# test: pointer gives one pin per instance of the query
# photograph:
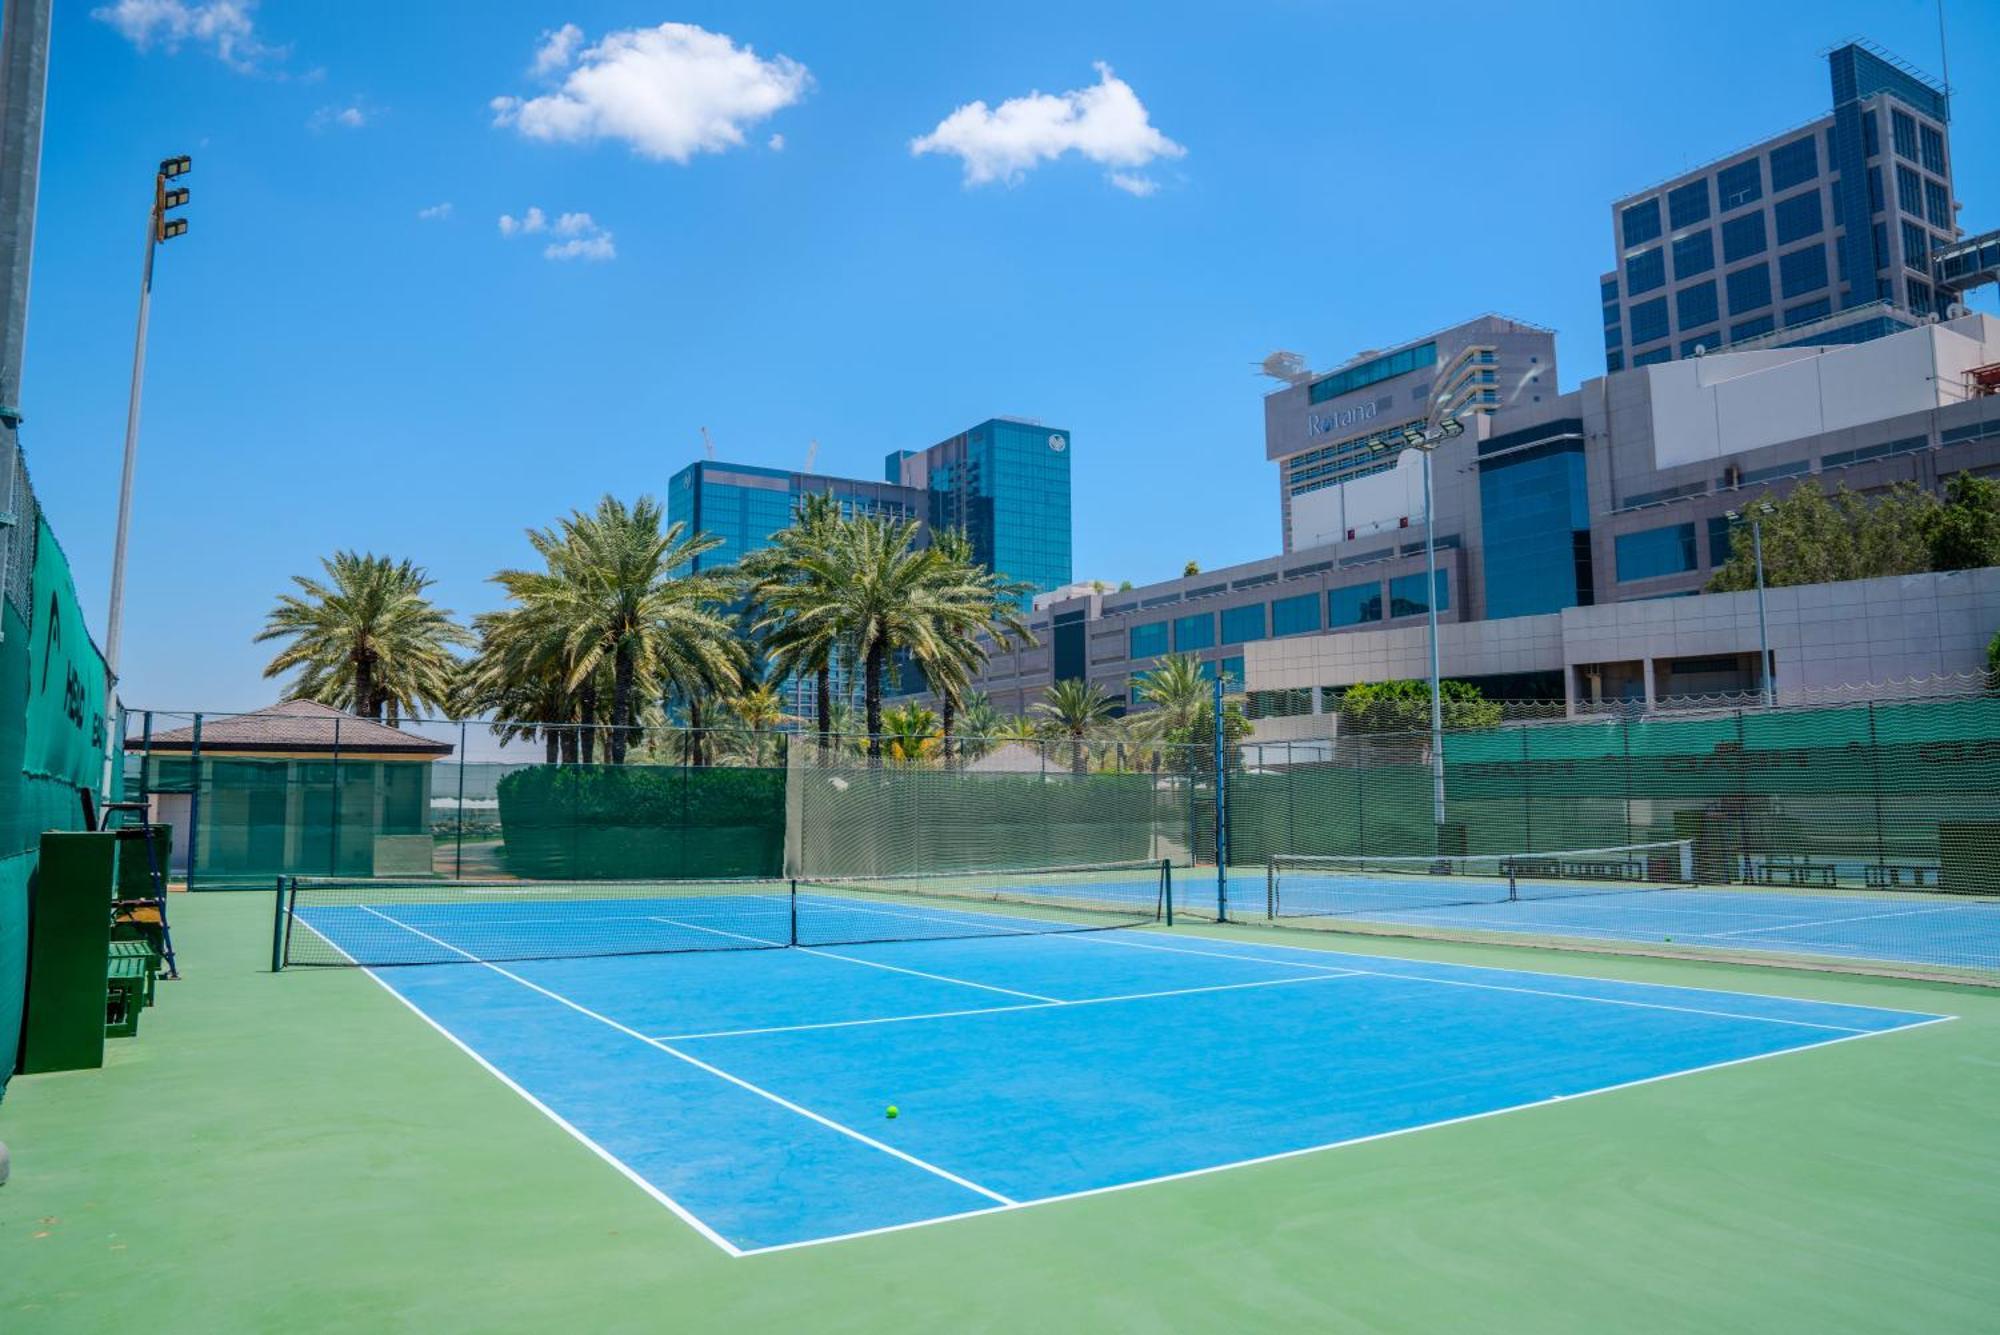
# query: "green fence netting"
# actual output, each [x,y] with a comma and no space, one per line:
[53,731]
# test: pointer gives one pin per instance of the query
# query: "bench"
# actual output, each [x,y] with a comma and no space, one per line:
[126,979]
[148,958]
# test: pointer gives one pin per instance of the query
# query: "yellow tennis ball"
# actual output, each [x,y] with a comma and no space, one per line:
[891,1113]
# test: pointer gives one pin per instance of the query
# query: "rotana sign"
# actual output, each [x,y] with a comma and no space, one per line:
[1340,419]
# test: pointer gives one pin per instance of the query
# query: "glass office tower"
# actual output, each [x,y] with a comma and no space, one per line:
[1006,484]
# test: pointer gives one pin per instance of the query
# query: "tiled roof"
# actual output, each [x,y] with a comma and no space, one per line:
[295,725]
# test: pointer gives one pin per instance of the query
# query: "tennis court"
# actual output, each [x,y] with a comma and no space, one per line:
[743,1081]
[1616,903]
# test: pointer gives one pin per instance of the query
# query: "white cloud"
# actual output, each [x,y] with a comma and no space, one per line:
[669,92]
[347,118]
[578,236]
[1105,123]
[558,49]
[534,220]
[776,143]
[225,26]
[436,212]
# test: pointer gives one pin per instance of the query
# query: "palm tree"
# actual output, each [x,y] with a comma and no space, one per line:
[1071,709]
[523,690]
[976,608]
[792,597]
[614,591]
[1181,696]
[761,711]
[979,726]
[366,639]
[911,732]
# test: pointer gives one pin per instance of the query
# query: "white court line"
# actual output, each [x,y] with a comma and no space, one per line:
[1008,1010]
[1841,922]
[716,1071]
[1340,1144]
[681,1212]
[892,968]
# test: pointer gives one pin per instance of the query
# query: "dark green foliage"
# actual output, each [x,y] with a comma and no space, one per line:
[599,822]
[1964,533]
[1405,706]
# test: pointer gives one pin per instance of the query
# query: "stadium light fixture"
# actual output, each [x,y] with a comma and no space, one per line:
[159,228]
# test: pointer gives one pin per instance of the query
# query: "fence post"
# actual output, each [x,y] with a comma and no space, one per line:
[1527,798]
[1875,763]
[1221,814]
[333,818]
[458,859]
[146,764]
[194,801]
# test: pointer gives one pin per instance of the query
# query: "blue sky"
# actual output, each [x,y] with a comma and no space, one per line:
[339,360]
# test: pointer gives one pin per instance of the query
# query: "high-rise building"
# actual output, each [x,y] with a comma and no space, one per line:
[744,505]
[1348,423]
[1005,484]
[1768,244]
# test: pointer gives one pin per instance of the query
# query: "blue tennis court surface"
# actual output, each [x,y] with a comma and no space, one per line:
[746,1090]
[1914,928]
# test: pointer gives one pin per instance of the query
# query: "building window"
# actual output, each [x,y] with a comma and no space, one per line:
[1695,305]
[1649,320]
[1406,594]
[1295,616]
[1875,197]
[1613,338]
[1148,641]
[1355,605]
[1740,185]
[1641,222]
[1933,149]
[1652,356]
[1706,341]
[1749,289]
[1373,371]
[1903,127]
[1812,310]
[1871,135]
[1194,632]
[1794,163]
[1694,254]
[1240,625]
[1909,191]
[1916,246]
[1646,271]
[1721,540]
[1609,289]
[1920,297]
[1763,324]
[1653,552]
[1802,271]
[1937,201]
[1743,237]
[1879,234]
[1688,204]
[1797,217]
[1614,361]
[1534,506]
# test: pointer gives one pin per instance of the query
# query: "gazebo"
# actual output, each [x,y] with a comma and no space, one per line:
[299,788]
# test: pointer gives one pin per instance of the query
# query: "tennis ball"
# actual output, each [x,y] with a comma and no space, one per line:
[891,1113]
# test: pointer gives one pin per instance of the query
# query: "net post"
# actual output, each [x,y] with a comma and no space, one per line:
[1687,861]
[278,928]
[1167,888]
[1271,887]
[793,900]
[458,854]
[1513,880]
[1221,814]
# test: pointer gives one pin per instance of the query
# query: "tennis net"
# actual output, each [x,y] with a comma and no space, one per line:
[1307,885]
[379,923]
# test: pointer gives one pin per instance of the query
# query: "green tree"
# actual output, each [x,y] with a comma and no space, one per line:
[910,732]
[1180,714]
[367,638]
[519,680]
[1405,706]
[1964,532]
[1811,537]
[1071,709]
[1993,662]
[796,609]
[975,608]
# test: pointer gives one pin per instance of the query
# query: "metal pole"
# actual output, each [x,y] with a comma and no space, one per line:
[1437,704]
[458,860]
[115,624]
[1763,631]
[1221,816]
[24,75]
[194,801]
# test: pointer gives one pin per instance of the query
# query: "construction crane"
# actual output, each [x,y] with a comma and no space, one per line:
[707,445]
[812,453]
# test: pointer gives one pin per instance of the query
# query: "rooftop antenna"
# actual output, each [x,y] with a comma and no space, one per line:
[707,445]
[1944,56]
[1289,367]
[812,452]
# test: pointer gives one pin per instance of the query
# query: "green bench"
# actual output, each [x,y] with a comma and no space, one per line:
[125,992]
[147,956]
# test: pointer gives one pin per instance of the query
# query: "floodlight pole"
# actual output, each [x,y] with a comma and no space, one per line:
[1431,602]
[1763,629]
[156,232]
